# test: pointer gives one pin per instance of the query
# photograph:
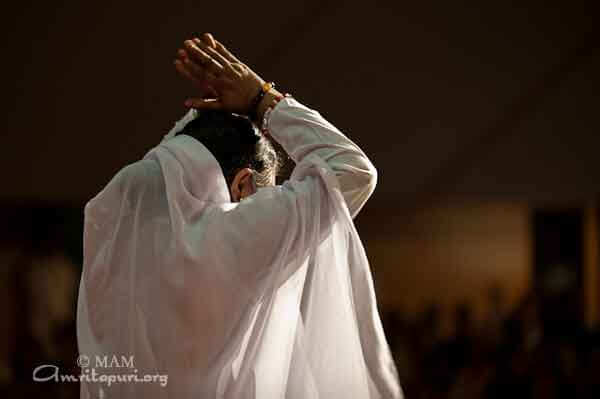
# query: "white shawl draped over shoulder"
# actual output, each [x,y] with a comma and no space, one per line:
[271,297]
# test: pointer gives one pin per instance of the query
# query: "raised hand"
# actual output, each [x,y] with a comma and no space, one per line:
[203,88]
[212,68]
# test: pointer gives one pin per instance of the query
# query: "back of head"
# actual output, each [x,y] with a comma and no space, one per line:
[236,144]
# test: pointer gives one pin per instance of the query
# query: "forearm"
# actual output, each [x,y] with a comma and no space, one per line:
[302,131]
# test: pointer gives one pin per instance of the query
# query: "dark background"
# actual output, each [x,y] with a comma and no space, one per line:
[481,118]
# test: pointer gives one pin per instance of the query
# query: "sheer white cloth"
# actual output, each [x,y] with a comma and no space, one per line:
[268,298]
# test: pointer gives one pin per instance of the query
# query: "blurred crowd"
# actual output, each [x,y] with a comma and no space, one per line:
[531,353]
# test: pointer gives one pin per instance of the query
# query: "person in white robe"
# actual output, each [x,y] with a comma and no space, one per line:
[230,288]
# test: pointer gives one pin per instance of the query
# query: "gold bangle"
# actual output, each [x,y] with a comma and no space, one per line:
[268,86]
[265,88]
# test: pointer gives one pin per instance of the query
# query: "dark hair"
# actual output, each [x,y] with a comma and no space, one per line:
[235,142]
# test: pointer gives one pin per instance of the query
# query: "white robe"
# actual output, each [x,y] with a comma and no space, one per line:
[271,297]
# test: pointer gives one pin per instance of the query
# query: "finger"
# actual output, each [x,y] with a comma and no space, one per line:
[194,69]
[226,53]
[209,40]
[198,70]
[215,55]
[201,84]
[220,59]
[193,52]
[201,103]
[202,57]
[184,72]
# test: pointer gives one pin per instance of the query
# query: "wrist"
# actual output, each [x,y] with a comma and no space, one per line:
[256,107]
[270,98]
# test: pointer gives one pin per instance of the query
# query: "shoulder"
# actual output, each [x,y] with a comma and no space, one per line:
[128,181]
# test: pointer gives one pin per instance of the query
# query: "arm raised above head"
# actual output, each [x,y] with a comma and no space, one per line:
[303,132]
[300,131]
[291,216]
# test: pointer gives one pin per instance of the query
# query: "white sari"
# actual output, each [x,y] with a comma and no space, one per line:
[271,297]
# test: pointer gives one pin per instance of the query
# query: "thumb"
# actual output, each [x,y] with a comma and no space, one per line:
[203,103]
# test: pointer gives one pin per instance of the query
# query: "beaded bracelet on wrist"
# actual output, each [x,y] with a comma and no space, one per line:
[264,125]
[266,87]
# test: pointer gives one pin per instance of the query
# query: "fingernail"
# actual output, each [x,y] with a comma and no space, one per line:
[188,103]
